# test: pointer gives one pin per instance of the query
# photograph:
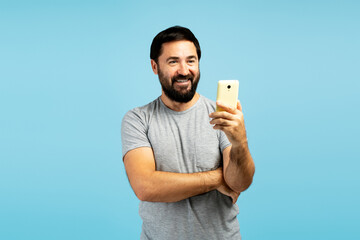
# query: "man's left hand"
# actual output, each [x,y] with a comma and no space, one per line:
[231,121]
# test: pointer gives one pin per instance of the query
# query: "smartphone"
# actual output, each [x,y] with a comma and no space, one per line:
[227,93]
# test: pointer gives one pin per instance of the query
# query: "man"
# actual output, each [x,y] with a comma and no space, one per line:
[186,163]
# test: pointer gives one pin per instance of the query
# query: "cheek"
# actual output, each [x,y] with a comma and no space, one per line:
[166,77]
[195,71]
[171,73]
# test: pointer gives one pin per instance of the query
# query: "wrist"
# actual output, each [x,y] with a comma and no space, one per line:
[241,144]
[219,177]
[213,179]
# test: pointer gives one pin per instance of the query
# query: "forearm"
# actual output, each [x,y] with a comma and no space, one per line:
[160,186]
[239,169]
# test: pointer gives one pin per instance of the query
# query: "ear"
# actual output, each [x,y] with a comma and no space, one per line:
[154,66]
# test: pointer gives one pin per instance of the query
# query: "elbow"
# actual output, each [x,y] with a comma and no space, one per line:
[143,194]
[142,187]
[245,185]
[140,195]
[240,185]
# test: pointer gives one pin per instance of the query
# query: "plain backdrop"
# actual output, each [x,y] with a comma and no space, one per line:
[70,70]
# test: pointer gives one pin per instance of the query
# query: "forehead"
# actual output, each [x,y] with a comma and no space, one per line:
[181,48]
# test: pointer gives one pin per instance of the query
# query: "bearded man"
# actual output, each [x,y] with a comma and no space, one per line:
[185,162]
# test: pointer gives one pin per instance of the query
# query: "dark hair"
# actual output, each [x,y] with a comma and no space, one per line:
[175,33]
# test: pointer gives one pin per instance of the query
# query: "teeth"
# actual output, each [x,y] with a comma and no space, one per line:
[182,80]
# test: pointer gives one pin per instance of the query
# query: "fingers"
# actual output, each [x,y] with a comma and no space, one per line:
[221,121]
[235,197]
[228,108]
[224,189]
[225,118]
[225,107]
[225,115]
[238,105]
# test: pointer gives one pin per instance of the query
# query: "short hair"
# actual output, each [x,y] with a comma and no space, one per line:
[176,33]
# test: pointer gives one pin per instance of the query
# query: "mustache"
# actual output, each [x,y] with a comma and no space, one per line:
[180,76]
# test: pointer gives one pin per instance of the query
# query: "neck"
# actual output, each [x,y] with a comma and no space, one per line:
[179,106]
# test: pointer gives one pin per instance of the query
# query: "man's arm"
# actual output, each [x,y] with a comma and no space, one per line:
[239,166]
[157,186]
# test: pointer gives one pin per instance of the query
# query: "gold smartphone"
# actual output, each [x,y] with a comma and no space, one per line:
[227,93]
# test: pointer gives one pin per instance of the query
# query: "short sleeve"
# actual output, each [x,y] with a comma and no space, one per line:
[222,138]
[133,132]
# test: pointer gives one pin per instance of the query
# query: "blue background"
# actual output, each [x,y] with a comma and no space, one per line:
[69,71]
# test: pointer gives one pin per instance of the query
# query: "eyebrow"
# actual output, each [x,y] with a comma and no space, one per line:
[172,58]
[192,56]
[176,58]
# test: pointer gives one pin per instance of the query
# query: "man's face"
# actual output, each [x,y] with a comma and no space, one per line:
[178,70]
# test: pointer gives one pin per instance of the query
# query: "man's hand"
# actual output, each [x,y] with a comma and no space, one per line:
[231,121]
[238,164]
[224,189]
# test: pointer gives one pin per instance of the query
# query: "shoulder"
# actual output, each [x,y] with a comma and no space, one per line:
[142,112]
[209,104]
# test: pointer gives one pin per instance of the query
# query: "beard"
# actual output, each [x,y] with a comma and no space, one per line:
[182,95]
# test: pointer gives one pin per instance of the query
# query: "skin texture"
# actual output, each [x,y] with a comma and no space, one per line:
[179,58]
[239,166]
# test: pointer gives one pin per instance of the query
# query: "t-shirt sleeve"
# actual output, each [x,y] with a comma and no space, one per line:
[223,140]
[133,132]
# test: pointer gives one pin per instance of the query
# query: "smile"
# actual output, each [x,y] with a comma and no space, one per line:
[182,80]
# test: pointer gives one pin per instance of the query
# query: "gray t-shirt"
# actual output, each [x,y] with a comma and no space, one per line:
[182,142]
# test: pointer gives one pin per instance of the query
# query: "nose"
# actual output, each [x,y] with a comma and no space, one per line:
[183,69]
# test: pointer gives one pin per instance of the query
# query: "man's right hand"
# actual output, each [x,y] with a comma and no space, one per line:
[226,190]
